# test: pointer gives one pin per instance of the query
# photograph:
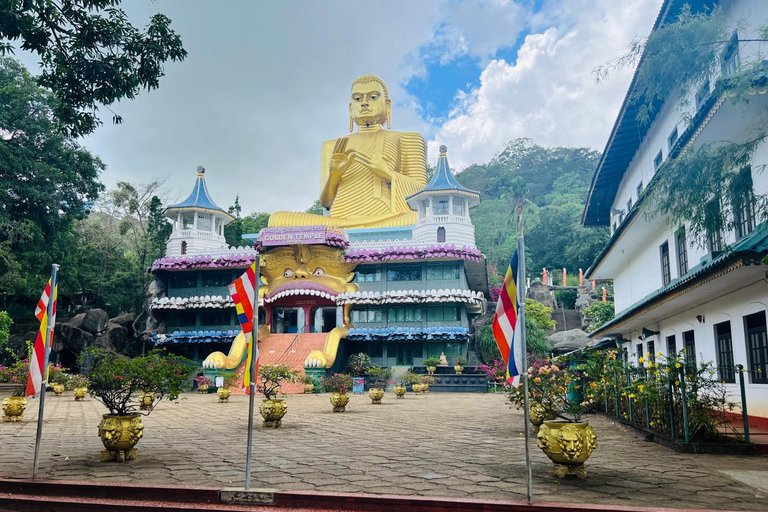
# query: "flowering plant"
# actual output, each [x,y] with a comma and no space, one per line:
[337,383]
[549,383]
[115,378]
[272,375]
[57,374]
[202,380]
[378,377]
[16,373]
[496,372]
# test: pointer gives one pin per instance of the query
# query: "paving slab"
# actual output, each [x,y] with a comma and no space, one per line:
[438,444]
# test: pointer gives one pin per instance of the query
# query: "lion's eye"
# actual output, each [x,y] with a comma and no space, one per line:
[288,273]
[319,272]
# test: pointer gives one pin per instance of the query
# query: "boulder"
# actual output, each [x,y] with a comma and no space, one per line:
[126,320]
[16,347]
[566,341]
[77,321]
[115,336]
[95,321]
[70,338]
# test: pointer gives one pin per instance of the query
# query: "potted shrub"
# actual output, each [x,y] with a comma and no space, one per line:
[15,375]
[566,440]
[378,378]
[425,381]
[57,378]
[338,385]
[309,384]
[431,364]
[273,409]
[203,383]
[408,379]
[359,364]
[79,384]
[461,362]
[114,381]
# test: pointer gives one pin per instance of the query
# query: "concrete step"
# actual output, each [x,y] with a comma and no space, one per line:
[566,319]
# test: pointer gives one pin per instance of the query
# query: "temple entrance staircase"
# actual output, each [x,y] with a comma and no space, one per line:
[291,350]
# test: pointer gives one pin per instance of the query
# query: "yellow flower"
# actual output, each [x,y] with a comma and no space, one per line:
[677,365]
[650,364]
[656,372]
[641,388]
[631,395]
[659,353]
[642,359]
[593,385]
[683,350]
[677,383]
[647,354]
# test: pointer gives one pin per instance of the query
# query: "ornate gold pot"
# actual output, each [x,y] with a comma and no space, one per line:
[145,401]
[58,389]
[80,393]
[119,435]
[273,411]
[458,369]
[416,388]
[309,388]
[223,394]
[431,369]
[538,415]
[376,395]
[13,408]
[568,445]
[400,391]
[339,401]
[203,388]
[425,388]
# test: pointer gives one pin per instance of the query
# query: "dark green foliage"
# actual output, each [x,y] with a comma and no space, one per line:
[253,223]
[554,184]
[538,320]
[566,298]
[316,208]
[115,379]
[359,364]
[89,53]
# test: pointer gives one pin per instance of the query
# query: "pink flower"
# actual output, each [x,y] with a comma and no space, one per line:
[26,361]
[118,377]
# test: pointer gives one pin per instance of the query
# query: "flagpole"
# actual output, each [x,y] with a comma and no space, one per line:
[524,347]
[252,384]
[44,376]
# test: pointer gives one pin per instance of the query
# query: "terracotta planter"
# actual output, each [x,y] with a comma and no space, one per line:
[376,395]
[339,401]
[13,408]
[568,445]
[223,394]
[309,388]
[400,391]
[58,389]
[458,369]
[119,435]
[273,411]
[80,393]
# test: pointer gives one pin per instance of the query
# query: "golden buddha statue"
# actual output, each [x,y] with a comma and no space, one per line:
[366,176]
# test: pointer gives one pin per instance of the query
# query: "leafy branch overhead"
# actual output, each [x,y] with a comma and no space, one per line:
[90,54]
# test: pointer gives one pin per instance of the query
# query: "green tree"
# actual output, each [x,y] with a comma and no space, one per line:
[316,208]
[252,223]
[90,54]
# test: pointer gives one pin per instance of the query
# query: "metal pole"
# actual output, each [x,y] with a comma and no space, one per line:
[686,429]
[616,391]
[524,348]
[744,415]
[44,377]
[252,384]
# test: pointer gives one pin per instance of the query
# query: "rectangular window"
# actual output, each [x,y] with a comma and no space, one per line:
[183,280]
[404,314]
[672,139]
[671,346]
[652,350]
[458,207]
[443,313]
[724,344]
[629,204]
[182,321]
[757,343]
[702,95]
[665,273]
[639,191]
[744,205]
[715,241]
[448,270]
[730,61]
[217,278]
[689,344]
[657,161]
[682,252]
[404,273]
[367,315]
[368,274]
[216,319]
[441,207]
[187,220]
[640,354]
[203,222]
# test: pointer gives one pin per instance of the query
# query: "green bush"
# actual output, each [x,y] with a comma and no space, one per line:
[337,383]
[272,375]
[598,314]
[566,298]
[431,361]
[358,364]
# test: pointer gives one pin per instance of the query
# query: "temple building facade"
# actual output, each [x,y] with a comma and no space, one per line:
[703,296]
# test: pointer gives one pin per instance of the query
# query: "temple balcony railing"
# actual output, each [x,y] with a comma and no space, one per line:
[444,219]
[196,233]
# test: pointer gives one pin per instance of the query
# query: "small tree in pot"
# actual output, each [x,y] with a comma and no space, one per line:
[338,385]
[431,364]
[378,378]
[271,377]
[114,381]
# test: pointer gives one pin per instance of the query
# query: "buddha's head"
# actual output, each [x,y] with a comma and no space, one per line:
[370,104]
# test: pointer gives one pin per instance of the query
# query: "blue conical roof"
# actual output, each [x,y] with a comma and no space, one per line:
[199,199]
[443,182]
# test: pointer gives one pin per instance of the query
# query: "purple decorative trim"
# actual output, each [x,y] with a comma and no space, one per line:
[413,253]
[237,260]
[301,235]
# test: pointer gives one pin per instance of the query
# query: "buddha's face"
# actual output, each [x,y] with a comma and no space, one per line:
[369,105]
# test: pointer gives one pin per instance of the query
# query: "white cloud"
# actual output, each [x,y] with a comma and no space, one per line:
[549,94]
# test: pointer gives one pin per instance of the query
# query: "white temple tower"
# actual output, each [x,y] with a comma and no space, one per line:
[198,223]
[443,208]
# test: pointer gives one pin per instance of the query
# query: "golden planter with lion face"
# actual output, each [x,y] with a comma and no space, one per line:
[568,445]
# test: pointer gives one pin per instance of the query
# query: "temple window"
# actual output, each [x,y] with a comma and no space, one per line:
[447,270]
[367,315]
[441,234]
[204,222]
[441,207]
[211,279]
[404,273]
[188,221]
[369,274]
[217,223]
[183,280]
[458,207]
[404,314]
[443,314]
[184,247]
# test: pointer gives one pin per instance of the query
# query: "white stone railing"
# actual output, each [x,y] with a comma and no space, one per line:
[196,233]
[444,219]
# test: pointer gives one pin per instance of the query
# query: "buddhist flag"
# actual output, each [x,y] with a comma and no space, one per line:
[37,362]
[243,292]
[506,321]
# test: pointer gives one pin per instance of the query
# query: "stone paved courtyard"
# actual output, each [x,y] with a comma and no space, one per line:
[450,445]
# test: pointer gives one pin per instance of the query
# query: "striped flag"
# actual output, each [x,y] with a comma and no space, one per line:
[243,292]
[37,362]
[506,321]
